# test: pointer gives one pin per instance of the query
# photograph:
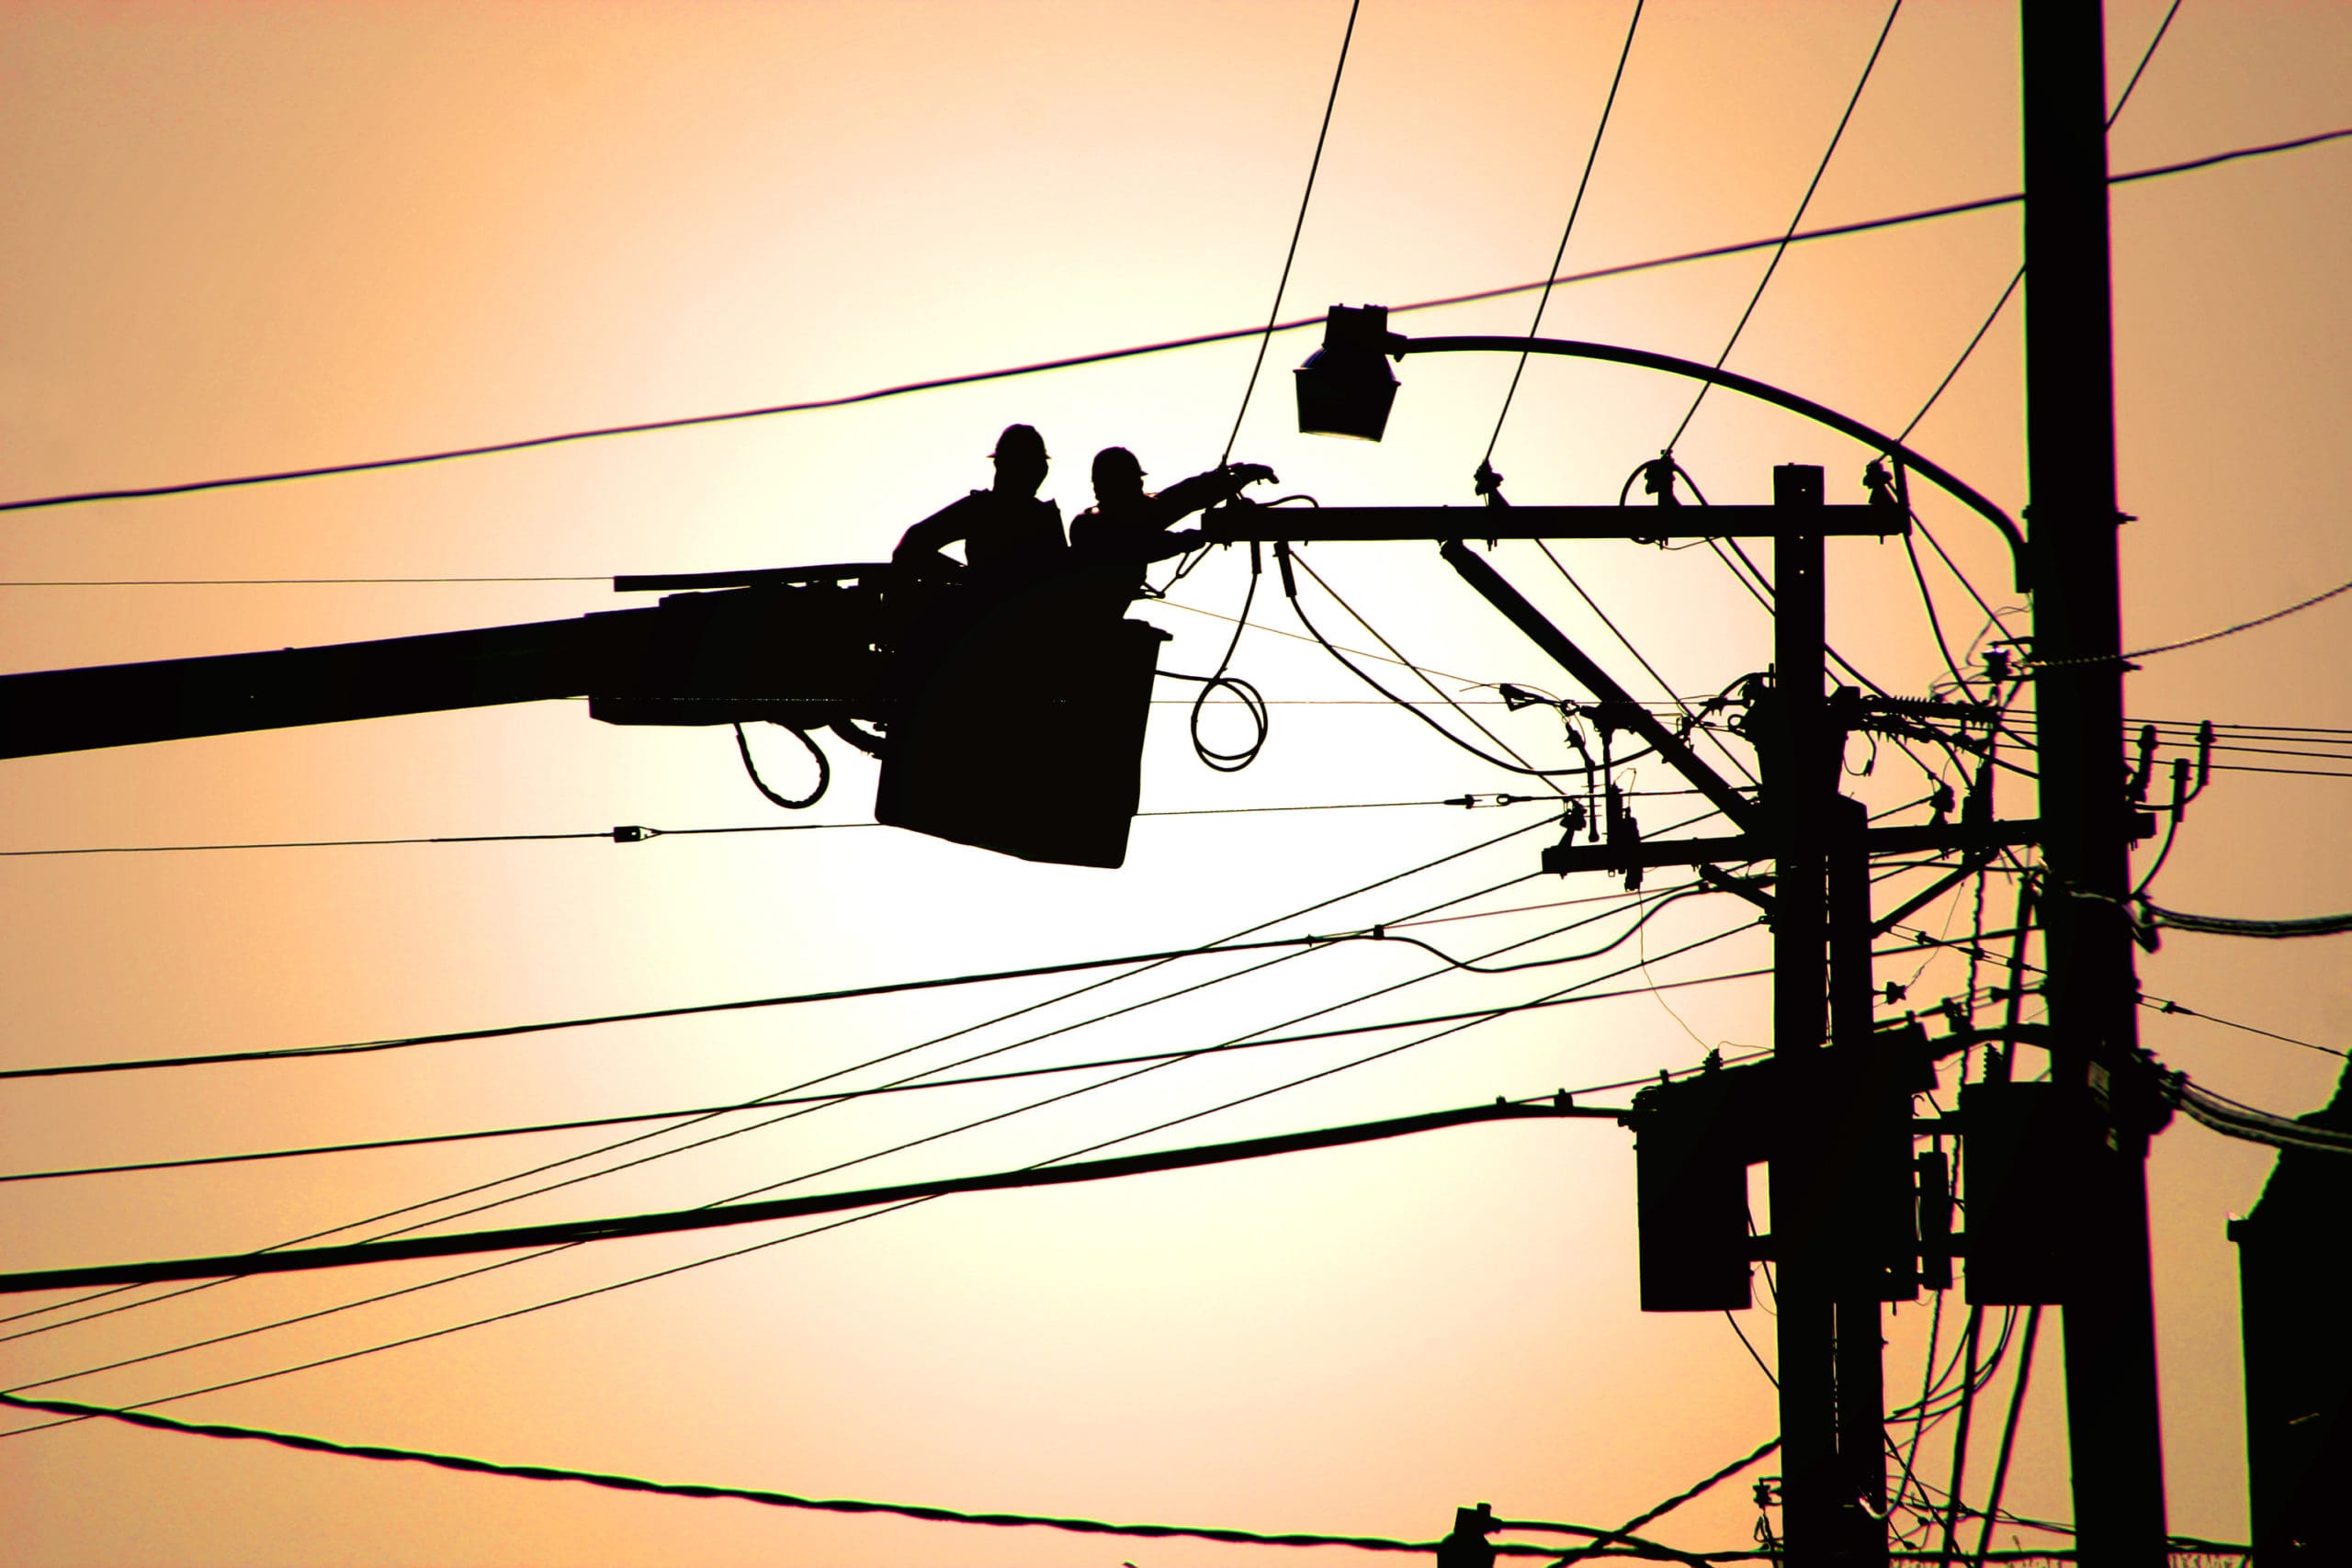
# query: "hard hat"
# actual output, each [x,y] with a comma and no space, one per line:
[1019,441]
[1115,462]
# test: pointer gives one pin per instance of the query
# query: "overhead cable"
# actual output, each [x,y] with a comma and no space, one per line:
[1814,185]
[2295,608]
[1069,362]
[2225,925]
[1647,668]
[1592,155]
[2009,1431]
[1373,885]
[1274,312]
[656,1274]
[632,834]
[1624,1533]
[1523,767]
[1520,767]
[2211,1111]
[507,1031]
[667,1222]
[1012,1075]
[466,1463]
[2019,276]
[2158,1004]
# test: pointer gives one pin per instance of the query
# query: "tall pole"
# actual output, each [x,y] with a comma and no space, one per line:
[2115,1443]
[1797,786]
[1861,1346]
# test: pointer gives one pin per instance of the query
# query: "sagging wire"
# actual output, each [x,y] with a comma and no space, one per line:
[1252,702]
[1575,205]
[1283,559]
[876,1213]
[1274,312]
[1815,184]
[1690,721]
[792,1088]
[824,771]
[1658,475]
[789,1115]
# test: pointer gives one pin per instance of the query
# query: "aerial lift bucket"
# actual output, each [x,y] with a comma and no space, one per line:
[1024,734]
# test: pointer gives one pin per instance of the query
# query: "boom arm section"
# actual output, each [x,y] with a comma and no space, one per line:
[796,654]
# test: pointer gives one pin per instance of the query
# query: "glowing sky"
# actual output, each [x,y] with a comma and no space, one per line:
[247,237]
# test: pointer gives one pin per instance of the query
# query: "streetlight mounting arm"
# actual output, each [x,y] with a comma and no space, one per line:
[1398,346]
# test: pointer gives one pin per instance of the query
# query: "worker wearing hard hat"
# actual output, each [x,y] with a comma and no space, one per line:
[1010,534]
[1129,527]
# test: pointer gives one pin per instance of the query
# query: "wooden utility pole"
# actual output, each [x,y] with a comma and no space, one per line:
[2115,1443]
[1797,788]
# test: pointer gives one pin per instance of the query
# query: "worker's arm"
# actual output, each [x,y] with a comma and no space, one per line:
[950,524]
[1187,496]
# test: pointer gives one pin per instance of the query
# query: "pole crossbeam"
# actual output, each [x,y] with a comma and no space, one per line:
[1642,525]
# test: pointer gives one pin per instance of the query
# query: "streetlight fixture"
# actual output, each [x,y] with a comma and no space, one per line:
[1345,387]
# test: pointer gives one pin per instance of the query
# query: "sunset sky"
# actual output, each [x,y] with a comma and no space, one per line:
[242,238]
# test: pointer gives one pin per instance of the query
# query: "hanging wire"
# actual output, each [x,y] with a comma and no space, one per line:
[1274,314]
[1575,207]
[973,378]
[2019,277]
[1313,1076]
[824,771]
[1782,249]
[811,1083]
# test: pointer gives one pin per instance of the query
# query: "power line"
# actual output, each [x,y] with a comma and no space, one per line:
[1575,205]
[1647,668]
[507,1030]
[2158,1004]
[1624,1533]
[811,1083]
[466,1463]
[2162,919]
[633,834]
[1274,312]
[1815,183]
[1066,362]
[2019,276]
[2010,1430]
[1094,1065]
[624,835]
[1333,650]
[1455,1027]
[668,1222]
[1397,654]
[2233,630]
[756,1247]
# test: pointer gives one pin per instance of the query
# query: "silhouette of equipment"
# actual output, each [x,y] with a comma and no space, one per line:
[998,724]
[2298,1359]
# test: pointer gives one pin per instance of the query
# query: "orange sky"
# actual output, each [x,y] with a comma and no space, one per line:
[255,236]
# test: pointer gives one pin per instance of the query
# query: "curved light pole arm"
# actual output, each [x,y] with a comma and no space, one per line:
[1399,346]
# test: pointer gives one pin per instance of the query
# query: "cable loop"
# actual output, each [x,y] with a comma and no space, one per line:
[824,770]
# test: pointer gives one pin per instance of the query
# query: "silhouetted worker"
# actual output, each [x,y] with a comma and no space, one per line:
[1011,537]
[1128,527]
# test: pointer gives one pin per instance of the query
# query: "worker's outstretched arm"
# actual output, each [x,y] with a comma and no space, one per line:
[1187,496]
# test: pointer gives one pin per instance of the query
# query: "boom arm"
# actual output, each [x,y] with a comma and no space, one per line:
[798,654]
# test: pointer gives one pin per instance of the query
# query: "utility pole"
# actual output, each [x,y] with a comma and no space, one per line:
[1794,787]
[1832,1389]
[2112,1420]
